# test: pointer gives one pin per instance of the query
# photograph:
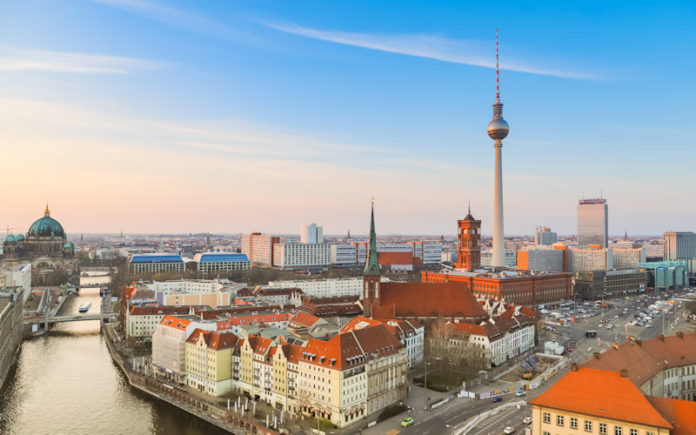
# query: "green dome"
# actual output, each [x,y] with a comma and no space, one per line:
[10,238]
[68,245]
[46,227]
[20,237]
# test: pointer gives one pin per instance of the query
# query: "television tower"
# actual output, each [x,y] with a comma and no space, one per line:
[498,130]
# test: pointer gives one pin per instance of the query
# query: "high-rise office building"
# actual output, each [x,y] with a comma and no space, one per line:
[312,234]
[681,245]
[544,236]
[593,222]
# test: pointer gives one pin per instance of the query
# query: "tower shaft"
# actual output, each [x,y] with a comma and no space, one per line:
[498,226]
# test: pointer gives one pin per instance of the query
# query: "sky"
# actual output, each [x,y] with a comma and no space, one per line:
[154,116]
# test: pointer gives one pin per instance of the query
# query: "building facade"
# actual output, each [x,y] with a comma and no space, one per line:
[544,236]
[290,255]
[259,248]
[312,233]
[540,259]
[593,222]
[155,263]
[220,264]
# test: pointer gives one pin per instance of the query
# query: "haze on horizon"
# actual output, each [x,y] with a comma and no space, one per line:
[173,117]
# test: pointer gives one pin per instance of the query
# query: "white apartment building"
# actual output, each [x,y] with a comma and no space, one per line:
[18,275]
[212,264]
[591,259]
[540,259]
[429,253]
[259,248]
[343,255]
[141,321]
[168,347]
[628,258]
[510,257]
[290,255]
[312,234]
[325,288]
[156,263]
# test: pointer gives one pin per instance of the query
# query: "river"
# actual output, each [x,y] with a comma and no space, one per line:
[66,383]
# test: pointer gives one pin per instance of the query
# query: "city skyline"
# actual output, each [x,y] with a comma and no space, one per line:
[232,115]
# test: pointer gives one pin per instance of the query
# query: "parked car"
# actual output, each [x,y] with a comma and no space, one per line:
[520,393]
[527,420]
[497,398]
[509,430]
[408,421]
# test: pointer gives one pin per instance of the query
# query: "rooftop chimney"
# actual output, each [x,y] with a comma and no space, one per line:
[596,355]
[624,373]
[680,334]
[574,367]
[661,337]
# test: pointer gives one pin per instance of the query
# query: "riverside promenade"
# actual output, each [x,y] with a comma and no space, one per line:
[220,417]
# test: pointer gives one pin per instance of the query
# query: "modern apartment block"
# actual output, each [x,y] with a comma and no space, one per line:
[220,264]
[312,234]
[628,258]
[156,263]
[593,222]
[259,248]
[592,258]
[681,246]
[544,236]
[292,255]
[325,288]
[540,259]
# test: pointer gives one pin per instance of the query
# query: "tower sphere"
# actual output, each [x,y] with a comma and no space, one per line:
[498,129]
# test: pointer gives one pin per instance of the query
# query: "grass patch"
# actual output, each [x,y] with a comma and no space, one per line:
[324,424]
[391,411]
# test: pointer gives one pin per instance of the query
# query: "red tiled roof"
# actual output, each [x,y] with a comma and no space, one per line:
[680,413]
[601,393]
[303,320]
[136,310]
[644,359]
[175,322]
[292,352]
[351,349]
[359,322]
[214,340]
[417,299]
[389,258]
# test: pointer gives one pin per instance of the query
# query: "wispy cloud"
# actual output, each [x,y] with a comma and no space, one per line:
[426,46]
[15,59]
[176,17]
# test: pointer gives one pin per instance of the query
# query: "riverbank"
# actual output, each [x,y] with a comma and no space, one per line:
[222,418]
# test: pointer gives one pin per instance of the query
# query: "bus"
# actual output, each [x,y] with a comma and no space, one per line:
[590,334]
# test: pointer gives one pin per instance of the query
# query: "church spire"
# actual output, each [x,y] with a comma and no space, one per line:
[371,264]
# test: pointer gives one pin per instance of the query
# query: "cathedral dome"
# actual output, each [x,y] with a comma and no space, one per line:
[46,227]
[20,237]
[10,238]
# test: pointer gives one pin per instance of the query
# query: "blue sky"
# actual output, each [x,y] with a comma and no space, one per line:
[265,116]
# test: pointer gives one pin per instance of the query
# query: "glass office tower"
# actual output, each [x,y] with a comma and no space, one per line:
[593,222]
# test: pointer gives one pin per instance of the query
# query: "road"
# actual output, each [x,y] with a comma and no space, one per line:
[444,419]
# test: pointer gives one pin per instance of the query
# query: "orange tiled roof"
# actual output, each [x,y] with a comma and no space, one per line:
[303,320]
[601,393]
[175,322]
[214,340]
[359,322]
[680,413]
[351,349]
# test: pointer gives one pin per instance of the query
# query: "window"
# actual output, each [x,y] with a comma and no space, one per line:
[574,423]
[602,428]
[618,430]
[634,431]
[547,417]
[559,420]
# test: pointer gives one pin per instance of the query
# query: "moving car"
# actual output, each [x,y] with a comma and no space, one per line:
[527,420]
[497,398]
[509,430]
[520,393]
[408,421]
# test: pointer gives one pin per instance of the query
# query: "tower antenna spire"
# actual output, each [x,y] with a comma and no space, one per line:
[497,69]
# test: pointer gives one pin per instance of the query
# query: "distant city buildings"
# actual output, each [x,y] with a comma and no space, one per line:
[544,236]
[540,258]
[155,263]
[220,264]
[259,248]
[312,234]
[593,223]
[293,255]
[681,246]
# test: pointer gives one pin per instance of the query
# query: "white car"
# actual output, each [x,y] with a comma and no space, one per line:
[527,420]
[509,430]
[520,393]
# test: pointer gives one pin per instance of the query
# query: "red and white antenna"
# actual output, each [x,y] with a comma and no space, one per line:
[497,70]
